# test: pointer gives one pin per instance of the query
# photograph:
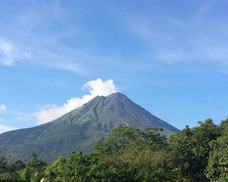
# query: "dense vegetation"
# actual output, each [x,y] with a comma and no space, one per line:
[130,154]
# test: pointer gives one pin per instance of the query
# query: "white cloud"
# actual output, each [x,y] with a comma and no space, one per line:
[19,118]
[177,23]
[7,53]
[2,108]
[4,128]
[15,52]
[66,66]
[97,87]
[2,119]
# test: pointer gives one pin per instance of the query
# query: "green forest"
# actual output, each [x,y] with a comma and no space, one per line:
[130,154]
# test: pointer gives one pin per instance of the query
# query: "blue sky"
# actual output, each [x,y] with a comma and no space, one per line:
[171,57]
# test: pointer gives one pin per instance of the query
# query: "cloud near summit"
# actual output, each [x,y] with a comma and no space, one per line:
[96,87]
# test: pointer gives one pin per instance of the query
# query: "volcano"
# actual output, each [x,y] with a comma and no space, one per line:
[79,129]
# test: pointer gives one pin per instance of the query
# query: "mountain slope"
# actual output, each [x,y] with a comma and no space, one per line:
[79,129]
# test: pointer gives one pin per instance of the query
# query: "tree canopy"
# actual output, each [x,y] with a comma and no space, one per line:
[131,154]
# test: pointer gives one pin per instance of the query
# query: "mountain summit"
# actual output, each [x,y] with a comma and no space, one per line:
[79,129]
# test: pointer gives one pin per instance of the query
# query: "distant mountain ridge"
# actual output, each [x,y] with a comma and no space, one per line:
[78,129]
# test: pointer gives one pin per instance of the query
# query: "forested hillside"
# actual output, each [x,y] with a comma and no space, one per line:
[131,154]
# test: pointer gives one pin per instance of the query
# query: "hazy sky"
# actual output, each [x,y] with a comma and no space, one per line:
[171,57]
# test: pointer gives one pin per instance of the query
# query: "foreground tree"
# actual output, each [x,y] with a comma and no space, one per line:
[189,151]
[129,154]
[82,167]
[129,137]
[142,153]
[35,164]
[3,165]
[9,171]
[56,171]
[217,169]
